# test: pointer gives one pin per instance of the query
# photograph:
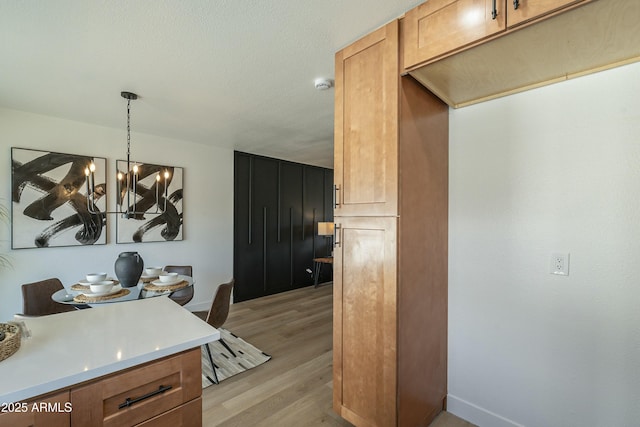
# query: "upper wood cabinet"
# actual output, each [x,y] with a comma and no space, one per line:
[519,11]
[366,125]
[545,42]
[438,27]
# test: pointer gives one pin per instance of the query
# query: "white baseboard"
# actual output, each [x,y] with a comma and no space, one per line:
[477,415]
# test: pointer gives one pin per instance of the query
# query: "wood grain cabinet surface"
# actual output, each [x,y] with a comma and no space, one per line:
[366,125]
[365,350]
[460,52]
[47,411]
[166,392]
[142,393]
[519,11]
[439,27]
[390,259]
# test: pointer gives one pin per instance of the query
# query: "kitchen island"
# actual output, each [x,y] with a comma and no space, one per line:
[119,364]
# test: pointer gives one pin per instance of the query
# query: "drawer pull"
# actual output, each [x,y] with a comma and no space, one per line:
[494,11]
[129,401]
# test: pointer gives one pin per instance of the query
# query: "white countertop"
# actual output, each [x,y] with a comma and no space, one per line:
[69,348]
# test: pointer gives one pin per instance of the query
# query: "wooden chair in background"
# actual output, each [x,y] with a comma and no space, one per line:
[36,298]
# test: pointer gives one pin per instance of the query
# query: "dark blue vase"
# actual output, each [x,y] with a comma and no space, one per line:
[128,268]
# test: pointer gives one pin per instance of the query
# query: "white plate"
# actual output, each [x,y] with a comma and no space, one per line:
[144,276]
[115,289]
[161,283]
[86,282]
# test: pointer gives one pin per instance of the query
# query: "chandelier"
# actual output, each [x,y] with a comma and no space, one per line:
[127,182]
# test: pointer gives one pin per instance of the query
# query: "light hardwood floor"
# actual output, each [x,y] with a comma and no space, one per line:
[294,387]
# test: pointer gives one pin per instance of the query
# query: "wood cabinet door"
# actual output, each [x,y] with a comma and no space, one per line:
[438,27]
[519,11]
[364,348]
[366,125]
[187,415]
[50,411]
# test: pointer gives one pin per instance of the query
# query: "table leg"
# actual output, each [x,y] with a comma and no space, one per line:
[316,273]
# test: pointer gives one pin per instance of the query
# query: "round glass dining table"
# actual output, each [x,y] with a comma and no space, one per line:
[66,296]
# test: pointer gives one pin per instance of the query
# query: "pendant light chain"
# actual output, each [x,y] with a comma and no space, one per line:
[130,181]
[129,186]
[128,128]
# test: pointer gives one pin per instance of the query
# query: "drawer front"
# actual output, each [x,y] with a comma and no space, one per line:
[187,415]
[52,411]
[138,394]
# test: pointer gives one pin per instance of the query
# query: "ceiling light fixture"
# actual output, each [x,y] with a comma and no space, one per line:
[127,182]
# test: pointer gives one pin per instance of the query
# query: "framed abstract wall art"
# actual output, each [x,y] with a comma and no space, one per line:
[49,200]
[155,195]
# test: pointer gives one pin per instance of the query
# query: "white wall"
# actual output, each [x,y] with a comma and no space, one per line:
[555,169]
[208,207]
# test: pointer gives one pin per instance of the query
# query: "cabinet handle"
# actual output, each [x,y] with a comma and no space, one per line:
[336,188]
[279,198]
[129,401]
[250,195]
[291,246]
[336,242]
[494,12]
[516,4]
[264,248]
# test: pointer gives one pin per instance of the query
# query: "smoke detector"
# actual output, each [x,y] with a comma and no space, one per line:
[323,84]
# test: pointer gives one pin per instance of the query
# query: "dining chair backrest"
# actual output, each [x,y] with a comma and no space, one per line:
[219,310]
[36,298]
[181,296]
[185,270]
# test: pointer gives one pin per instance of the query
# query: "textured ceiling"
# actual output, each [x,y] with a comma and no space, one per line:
[229,73]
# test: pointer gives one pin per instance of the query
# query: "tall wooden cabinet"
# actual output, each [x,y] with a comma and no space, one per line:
[390,266]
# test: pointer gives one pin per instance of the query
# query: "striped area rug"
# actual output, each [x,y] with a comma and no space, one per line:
[247,357]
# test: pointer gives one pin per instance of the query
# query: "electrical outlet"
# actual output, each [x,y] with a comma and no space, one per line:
[559,264]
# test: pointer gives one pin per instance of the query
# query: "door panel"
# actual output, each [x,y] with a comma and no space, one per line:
[438,27]
[366,136]
[531,9]
[247,254]
[365,320]
[290,225]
